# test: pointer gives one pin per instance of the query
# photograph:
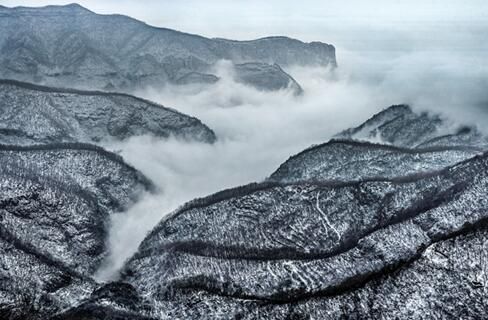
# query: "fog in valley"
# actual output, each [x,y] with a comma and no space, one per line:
[430,55]
[257,130]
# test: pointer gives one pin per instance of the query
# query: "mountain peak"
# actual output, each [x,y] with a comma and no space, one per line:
[72,7]
[62,9]
[75,6]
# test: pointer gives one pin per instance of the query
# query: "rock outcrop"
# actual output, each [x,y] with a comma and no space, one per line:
[267,77]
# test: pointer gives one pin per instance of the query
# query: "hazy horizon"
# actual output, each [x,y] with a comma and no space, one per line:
[355,25]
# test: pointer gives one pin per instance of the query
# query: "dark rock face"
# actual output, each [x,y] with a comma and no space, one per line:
[91,51]
[32,114]
[55,203]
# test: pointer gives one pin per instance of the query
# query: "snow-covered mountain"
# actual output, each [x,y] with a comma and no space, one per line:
[411,142]
[55,205]
[388,220]
[31,114]
[271,250]
[400,126]
[55,45]
[57,195]
[397,233]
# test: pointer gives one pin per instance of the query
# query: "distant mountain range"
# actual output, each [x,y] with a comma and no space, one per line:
[59,45]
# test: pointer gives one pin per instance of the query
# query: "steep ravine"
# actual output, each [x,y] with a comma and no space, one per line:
[55,204]
[59,193]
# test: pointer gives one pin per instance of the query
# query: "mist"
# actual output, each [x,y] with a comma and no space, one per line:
[429,54]
[258,130]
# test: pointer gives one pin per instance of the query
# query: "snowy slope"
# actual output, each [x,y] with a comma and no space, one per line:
[55,204]
[399,125]
[346,229]
[280,244]
[354,161]
[32,114]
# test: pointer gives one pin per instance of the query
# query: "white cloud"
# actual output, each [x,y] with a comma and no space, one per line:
[256,132]
[259,130]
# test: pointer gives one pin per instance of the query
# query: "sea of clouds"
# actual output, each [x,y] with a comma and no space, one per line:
[444,74]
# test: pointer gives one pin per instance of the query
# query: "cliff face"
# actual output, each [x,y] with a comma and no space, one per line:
[358,230]
[55,45]
[268,77]
[32,114]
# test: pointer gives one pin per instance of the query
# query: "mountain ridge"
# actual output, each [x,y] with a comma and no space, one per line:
[321,247]
[40,114]
[138,55]
[79,7]
[259,250]
[38,87]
